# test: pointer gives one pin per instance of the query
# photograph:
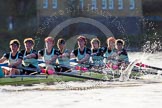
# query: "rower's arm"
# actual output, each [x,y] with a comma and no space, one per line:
[19,61]
[40,53]
[84,59]
[66,54]
[126,59]
[72,55]
[112,56]
[53,58]
[33,55]
[2,59]
[39,56]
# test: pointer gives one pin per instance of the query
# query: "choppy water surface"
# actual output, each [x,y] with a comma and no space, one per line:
[130,94]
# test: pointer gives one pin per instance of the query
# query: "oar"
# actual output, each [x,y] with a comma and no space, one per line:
[30,76]
[75,76]
[4,64]
[148,66]
[79,76]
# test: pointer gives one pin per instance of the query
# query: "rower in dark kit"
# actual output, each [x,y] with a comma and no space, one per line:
[96,52]
[30,56]
[82,53]
[14,58]
[49,54]
[63,57]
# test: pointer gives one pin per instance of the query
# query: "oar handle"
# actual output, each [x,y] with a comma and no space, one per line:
[4,64]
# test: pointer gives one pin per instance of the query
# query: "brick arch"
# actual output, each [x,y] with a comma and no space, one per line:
[90,21]
[93,22]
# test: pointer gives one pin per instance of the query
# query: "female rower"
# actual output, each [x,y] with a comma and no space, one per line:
[122,53]
[49,54]
[64,56]
[29,56]
[109,51]
[82,53]
[96,52]
[14,58]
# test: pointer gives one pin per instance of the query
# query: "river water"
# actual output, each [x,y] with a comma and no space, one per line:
[146,93]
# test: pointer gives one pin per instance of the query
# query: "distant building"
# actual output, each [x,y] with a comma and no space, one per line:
[121,17]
